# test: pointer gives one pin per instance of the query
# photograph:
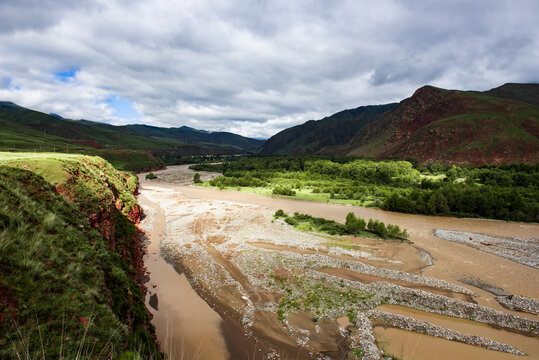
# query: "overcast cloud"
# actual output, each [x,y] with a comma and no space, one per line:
[253,67]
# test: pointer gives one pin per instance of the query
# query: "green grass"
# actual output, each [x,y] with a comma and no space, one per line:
[303,194]
[80,177]
[48,165]
[129,160]
[62,284]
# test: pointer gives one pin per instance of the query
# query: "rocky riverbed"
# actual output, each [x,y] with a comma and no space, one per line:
[521,250]
[305,295]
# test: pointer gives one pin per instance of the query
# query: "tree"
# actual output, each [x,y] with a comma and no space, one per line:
[451,175]
[361,223]
[196,178]
[381,229]
[371,225]
[437,204]
[353,224]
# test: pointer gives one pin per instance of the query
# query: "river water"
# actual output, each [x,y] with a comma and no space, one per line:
[189,329]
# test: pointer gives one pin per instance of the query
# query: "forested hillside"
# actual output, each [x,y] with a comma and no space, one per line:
[323,136]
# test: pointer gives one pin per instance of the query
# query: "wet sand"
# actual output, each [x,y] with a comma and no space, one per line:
[451,262]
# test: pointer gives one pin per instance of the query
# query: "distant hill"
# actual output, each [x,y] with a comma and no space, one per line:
[323,136]
[436,125]
[22,129]
[186,134]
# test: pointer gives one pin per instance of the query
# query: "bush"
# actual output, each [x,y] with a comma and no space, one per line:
[283,190]
[196,179]
[353,224]
[151,176]
[291,221]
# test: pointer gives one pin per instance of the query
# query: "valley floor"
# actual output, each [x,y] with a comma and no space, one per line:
[243,285]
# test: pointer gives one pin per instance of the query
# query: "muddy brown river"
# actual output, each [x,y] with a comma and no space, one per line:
[188,328]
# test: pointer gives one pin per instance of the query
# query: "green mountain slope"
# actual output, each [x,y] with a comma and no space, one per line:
[22,129]
[87,133]
[433,125]
[189,135]
[528,93]
[464,127]
[323,136]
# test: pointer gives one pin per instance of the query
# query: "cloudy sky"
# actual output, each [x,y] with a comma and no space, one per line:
[254,67]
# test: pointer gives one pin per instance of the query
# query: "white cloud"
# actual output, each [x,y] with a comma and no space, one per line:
[255,67]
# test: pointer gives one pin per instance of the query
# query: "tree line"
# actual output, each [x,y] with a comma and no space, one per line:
[507,192]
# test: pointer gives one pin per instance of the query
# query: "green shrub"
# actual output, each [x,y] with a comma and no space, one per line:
[283,190]
[353,224]
[151,176]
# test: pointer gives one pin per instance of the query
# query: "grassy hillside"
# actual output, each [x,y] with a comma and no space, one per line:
[323,136]
[71,270]
[90,134]
[436,125]
[133,147]
[188,135]
[528,93]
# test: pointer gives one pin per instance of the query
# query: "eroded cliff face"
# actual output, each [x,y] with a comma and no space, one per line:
[107,197]
[83,222]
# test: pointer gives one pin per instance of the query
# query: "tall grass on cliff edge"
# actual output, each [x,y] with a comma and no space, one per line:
[60,284]
[86,351]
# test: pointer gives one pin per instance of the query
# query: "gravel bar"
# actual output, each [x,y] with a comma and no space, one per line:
[418,326]
[519,303]
[443,305]
[523,251]
[365,340]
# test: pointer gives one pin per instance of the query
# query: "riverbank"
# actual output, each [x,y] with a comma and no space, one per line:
[72,281]
[222,239]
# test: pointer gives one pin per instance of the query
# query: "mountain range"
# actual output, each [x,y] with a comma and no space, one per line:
[130,147]
[497,126]
[17,119]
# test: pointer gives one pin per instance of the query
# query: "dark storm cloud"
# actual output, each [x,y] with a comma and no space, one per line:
[255,67]
[20,15]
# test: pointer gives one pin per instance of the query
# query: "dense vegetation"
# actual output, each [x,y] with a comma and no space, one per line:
[353,226]
[70,264]
[508,192]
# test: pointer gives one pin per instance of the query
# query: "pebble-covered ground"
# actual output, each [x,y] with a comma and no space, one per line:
[519,303]
[524,251]
[291,286]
